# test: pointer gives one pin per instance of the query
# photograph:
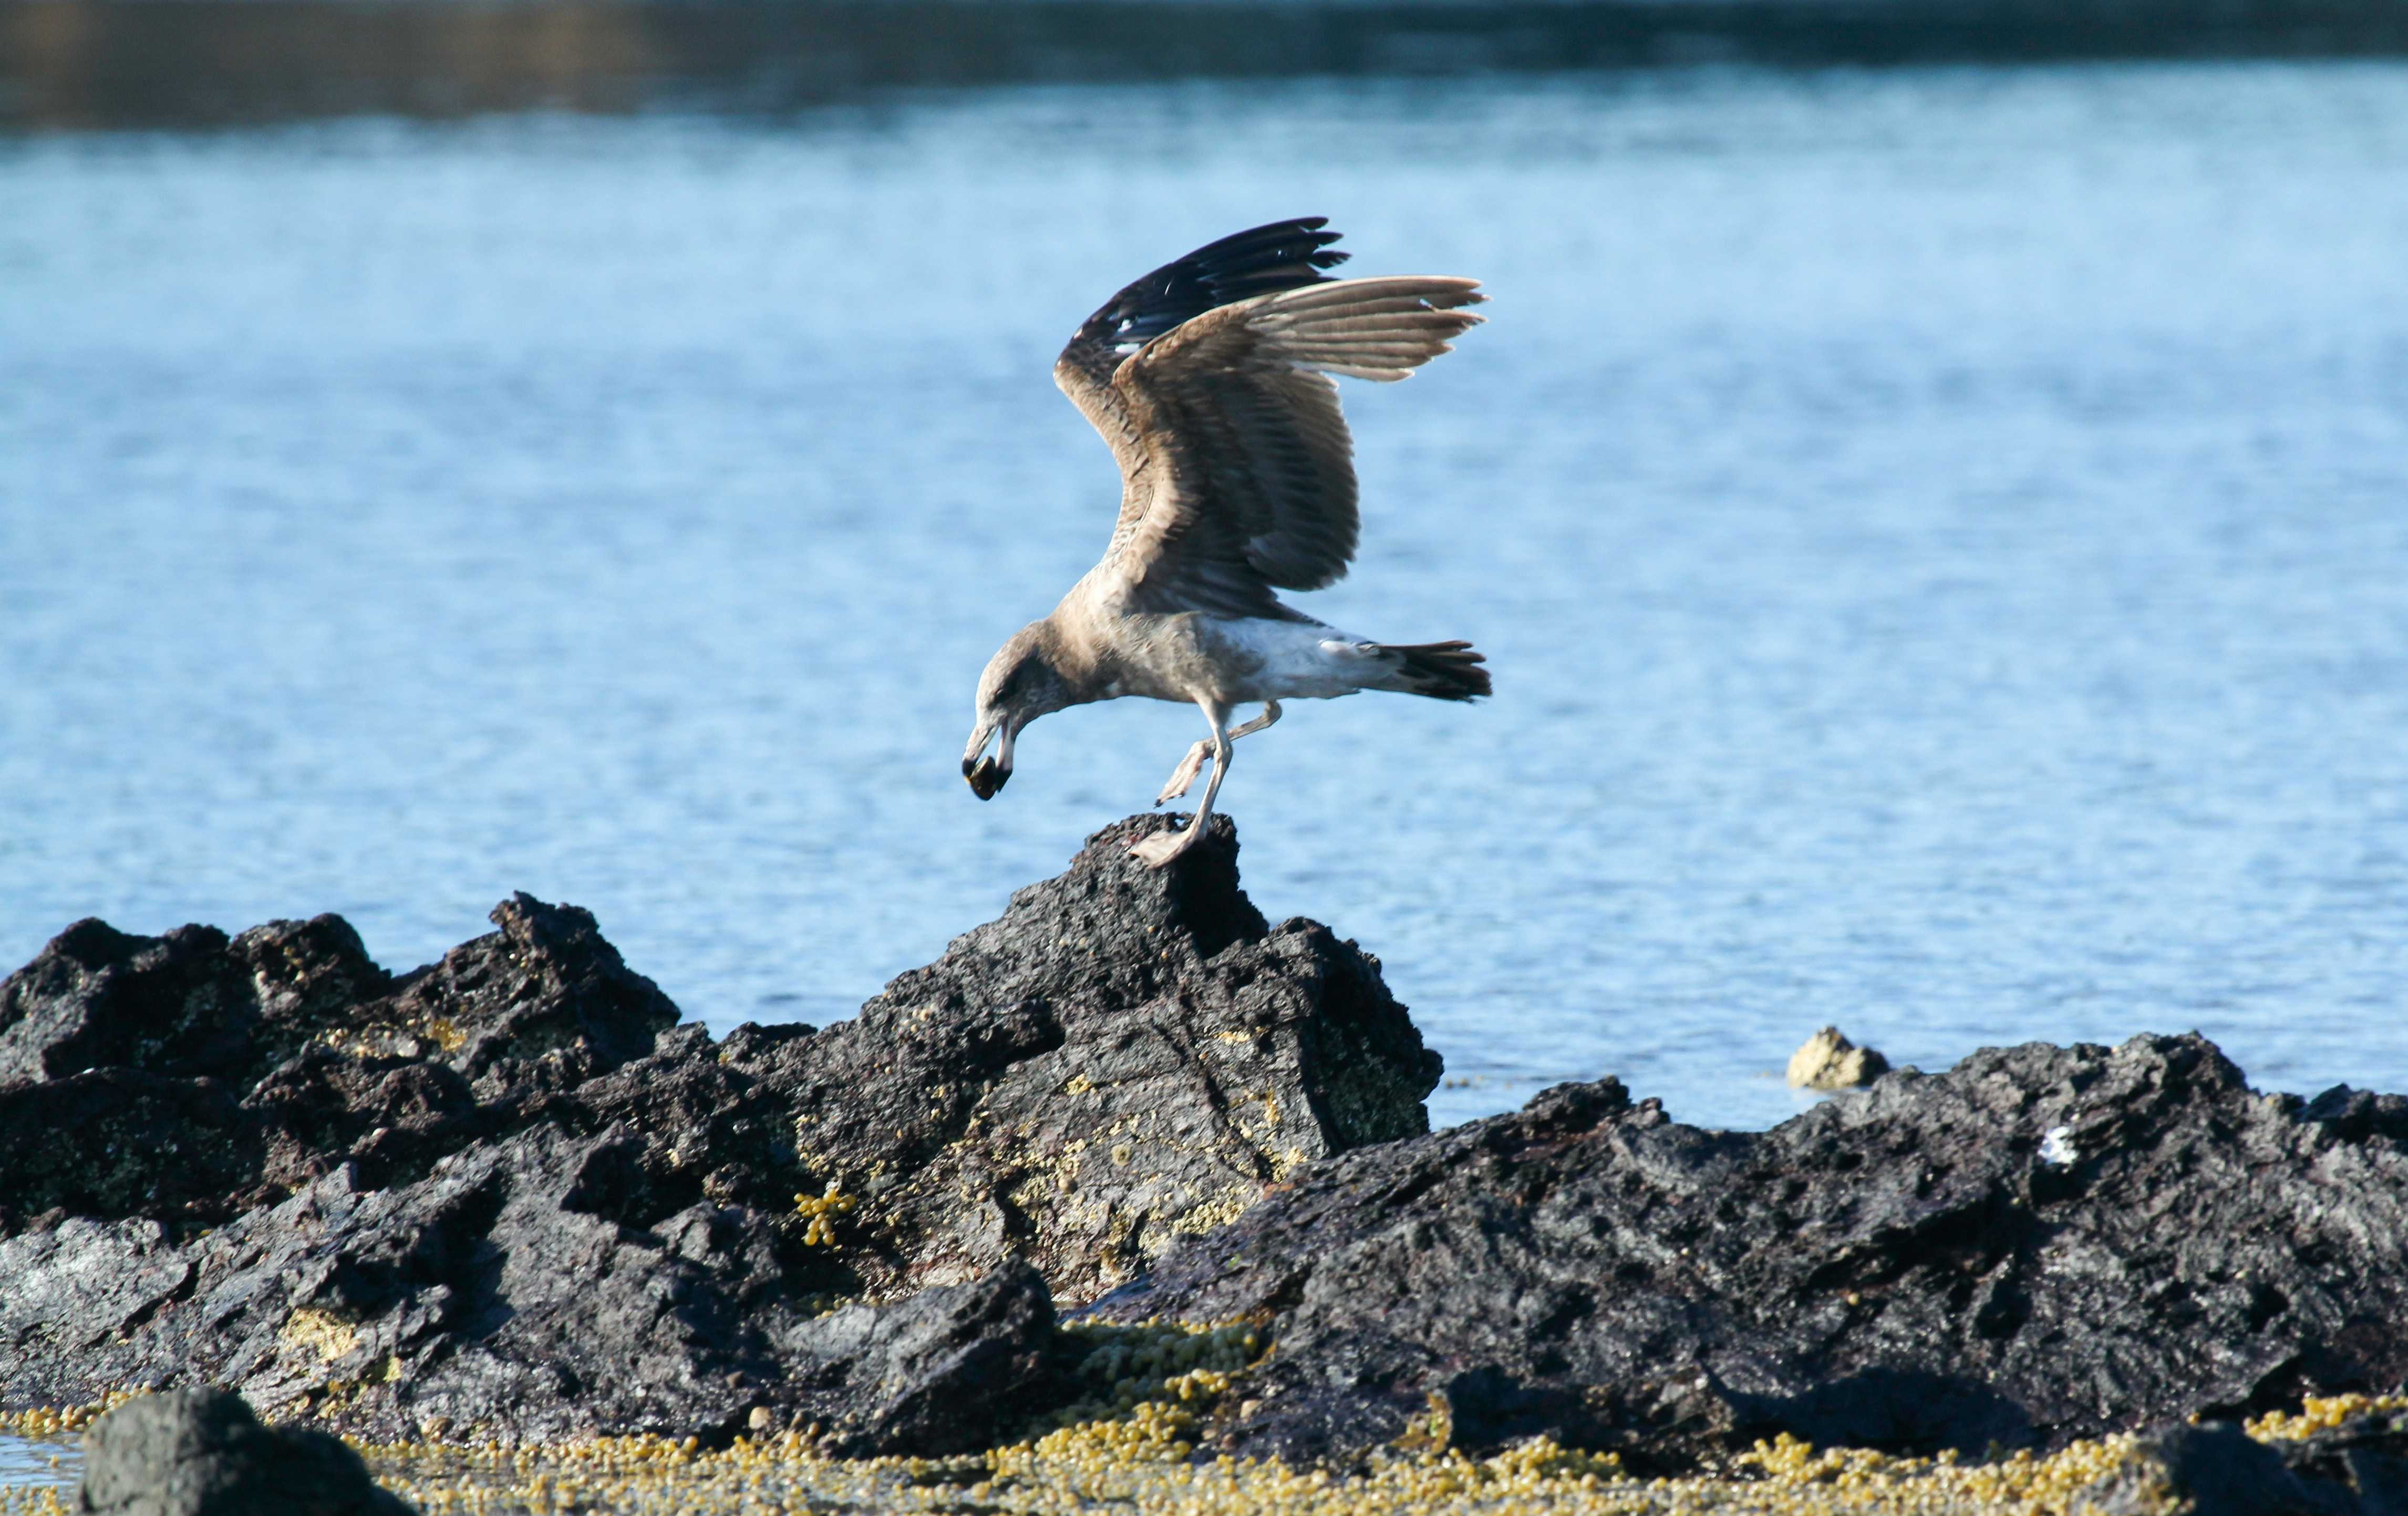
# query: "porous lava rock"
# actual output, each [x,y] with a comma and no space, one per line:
[1125,1058]
[2041,1244]
[954,1369]
[203,1453]
[2365,1454]
[511,1192]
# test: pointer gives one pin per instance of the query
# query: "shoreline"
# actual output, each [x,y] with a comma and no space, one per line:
[69,66]
[1126,1463]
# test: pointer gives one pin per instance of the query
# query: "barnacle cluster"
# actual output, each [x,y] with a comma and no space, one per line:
[2322,1413]
[1147,1387]
[823,1210]
[1129,1459]
[46,1423]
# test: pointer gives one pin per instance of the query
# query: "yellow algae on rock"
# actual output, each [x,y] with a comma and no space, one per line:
[2322,1413]
[1152,1386]
[321,1331]
[1213,1214]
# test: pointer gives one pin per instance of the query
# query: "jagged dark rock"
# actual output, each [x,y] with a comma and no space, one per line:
[2366,1456]
[956,1368]
[2213,1469]
[2040,1244]
[508,1192]
[202,1452]
[192,1077]
[1127,1056]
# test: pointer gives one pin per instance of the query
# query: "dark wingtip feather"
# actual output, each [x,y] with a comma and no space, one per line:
[1277,255]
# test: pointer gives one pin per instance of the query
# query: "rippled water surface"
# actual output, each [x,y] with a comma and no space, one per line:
[1942,536]
[30,1466]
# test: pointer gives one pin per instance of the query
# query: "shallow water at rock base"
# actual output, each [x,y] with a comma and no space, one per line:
[29,1466]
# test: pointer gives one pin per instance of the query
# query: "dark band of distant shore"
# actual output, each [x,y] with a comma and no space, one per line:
[64,63]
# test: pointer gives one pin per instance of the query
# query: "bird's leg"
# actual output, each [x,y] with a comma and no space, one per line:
[1162,847]
[1193,765]
[1270,715]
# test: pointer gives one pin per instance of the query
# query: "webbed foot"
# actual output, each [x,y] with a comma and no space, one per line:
[1184,776]
[1155,851]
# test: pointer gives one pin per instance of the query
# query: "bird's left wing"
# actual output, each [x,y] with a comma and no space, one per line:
[1247,483]
[1280,255]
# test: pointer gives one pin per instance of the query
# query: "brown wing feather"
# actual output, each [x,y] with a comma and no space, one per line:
[1244,478]
[1278,256]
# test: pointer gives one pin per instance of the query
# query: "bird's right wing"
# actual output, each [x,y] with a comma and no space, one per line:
[1281,255]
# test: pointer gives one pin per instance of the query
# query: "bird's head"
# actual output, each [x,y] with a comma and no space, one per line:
[1022,683]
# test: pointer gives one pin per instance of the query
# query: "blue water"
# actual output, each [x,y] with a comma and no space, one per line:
[1942,536]
[29,1466]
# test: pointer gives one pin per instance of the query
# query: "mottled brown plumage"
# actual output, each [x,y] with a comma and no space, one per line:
[1209,378]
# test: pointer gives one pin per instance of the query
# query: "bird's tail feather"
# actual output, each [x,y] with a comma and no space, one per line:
[1440,670]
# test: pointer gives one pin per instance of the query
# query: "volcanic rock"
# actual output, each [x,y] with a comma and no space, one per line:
[202,1452]
[2366,1453]
[2217,1469]
[954,1369]
[511,1192]
[2040,1245]
[1127,1058]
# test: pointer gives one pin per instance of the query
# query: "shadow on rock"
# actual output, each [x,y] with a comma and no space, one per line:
[2217,1469]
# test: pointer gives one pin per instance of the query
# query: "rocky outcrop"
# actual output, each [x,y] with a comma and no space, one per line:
[202,1452]
[511,1192]
[2040,1244]
[192,1077]
[1125,1058]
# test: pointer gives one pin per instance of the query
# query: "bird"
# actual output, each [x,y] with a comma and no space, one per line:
[1209,379]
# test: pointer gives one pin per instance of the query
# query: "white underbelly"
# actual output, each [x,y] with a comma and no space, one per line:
[1297,661]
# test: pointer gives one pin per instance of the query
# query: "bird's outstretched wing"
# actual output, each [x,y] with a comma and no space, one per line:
[1240,478]
[1281,255]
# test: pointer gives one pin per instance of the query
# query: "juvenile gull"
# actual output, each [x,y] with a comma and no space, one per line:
[1209,379]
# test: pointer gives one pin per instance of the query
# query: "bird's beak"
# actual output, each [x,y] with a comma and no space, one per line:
[988,776]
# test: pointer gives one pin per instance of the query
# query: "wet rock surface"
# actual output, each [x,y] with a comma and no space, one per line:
[2040,1245]
[509,1191]
[202,1452]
